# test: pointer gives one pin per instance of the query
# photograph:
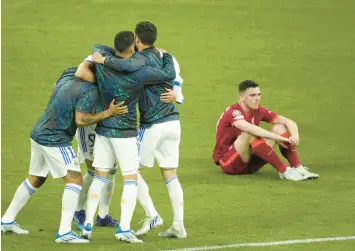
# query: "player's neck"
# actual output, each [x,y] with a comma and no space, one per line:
[124,54]
[143,46]
[245,108]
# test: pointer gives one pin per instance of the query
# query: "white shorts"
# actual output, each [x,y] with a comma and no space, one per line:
[124,150]
[160,142]
[54,160]
[86,138]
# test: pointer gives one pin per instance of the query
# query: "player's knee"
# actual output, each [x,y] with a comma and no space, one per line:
[127,173]
[36,181]
[246,136]
[74,178]
[278,129]
[167,173]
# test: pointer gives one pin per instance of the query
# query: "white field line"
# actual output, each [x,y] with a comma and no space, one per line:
[266,244]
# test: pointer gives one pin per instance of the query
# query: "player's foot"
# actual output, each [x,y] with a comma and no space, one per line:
[149,224]
[127,236]
[291,174]
[107,221]
[174,233]
[87,231]
[12,227]
[79,218]
[304,171]
[70,237]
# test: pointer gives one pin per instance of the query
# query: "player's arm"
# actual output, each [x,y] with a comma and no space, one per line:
[291,127]
[150,75]
[85,72]
[86,105]
[85,119]
[257,131]
[119,64]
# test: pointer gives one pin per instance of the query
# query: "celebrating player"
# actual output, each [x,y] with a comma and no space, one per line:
[243,147]
[72,104]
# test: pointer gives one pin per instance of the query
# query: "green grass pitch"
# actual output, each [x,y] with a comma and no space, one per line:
[300,51]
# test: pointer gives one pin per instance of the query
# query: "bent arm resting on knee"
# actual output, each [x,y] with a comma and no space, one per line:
[258,131]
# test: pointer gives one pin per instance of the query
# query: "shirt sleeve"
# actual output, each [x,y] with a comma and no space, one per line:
[103,49]
[233,115]
[150,75]
[132,64]
[267,115]
[88,101]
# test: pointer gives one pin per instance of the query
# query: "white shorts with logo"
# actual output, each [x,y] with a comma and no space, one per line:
[160,142]
[124,150]
[54,160]
[86,139]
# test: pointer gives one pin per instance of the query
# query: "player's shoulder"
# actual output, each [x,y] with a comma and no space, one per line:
[234,107]
[263,109]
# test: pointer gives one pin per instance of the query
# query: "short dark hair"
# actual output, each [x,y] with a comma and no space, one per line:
[146,32]
[123,40]
[244,85]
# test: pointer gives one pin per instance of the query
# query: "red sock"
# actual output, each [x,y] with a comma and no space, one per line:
[290,153]
[264,151]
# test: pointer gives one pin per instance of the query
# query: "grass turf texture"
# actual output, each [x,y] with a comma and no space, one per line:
[301,52]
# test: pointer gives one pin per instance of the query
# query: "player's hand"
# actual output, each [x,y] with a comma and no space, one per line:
[294,140]
[161,52]
[282,140]
[168,96]
[117,109]
[98,58]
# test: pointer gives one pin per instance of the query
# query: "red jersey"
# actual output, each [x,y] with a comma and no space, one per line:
[227,133]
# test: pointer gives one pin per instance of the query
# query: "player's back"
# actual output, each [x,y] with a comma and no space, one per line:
[226,134]
[151,109]
[56,126]
[120,86]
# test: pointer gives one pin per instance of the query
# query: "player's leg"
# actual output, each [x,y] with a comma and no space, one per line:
[104,159]
[104,219]
[85,137]
[261,149]
[63,163]
[147,142]
[234,162]
[167,155]
[37,176]
[290,153]
[126,151]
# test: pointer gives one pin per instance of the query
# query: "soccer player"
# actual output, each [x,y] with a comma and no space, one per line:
[243,147]
[116,139]
[159,133]
[72,104]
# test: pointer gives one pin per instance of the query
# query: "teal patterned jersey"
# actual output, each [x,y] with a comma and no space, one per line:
[151,109]
[127,87]
[56,127]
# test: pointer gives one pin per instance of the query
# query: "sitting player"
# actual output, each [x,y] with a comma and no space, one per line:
[243,147]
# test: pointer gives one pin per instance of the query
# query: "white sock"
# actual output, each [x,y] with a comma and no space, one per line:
[87,180]
[22,195]
[177,201]
[106,194]
[144,197]
[94,197]
[128,203]
[69,203]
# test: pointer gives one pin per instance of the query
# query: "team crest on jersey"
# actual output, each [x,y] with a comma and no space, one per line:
[236,113]
[76,162]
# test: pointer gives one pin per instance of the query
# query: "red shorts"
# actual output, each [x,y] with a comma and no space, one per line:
[232,163]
